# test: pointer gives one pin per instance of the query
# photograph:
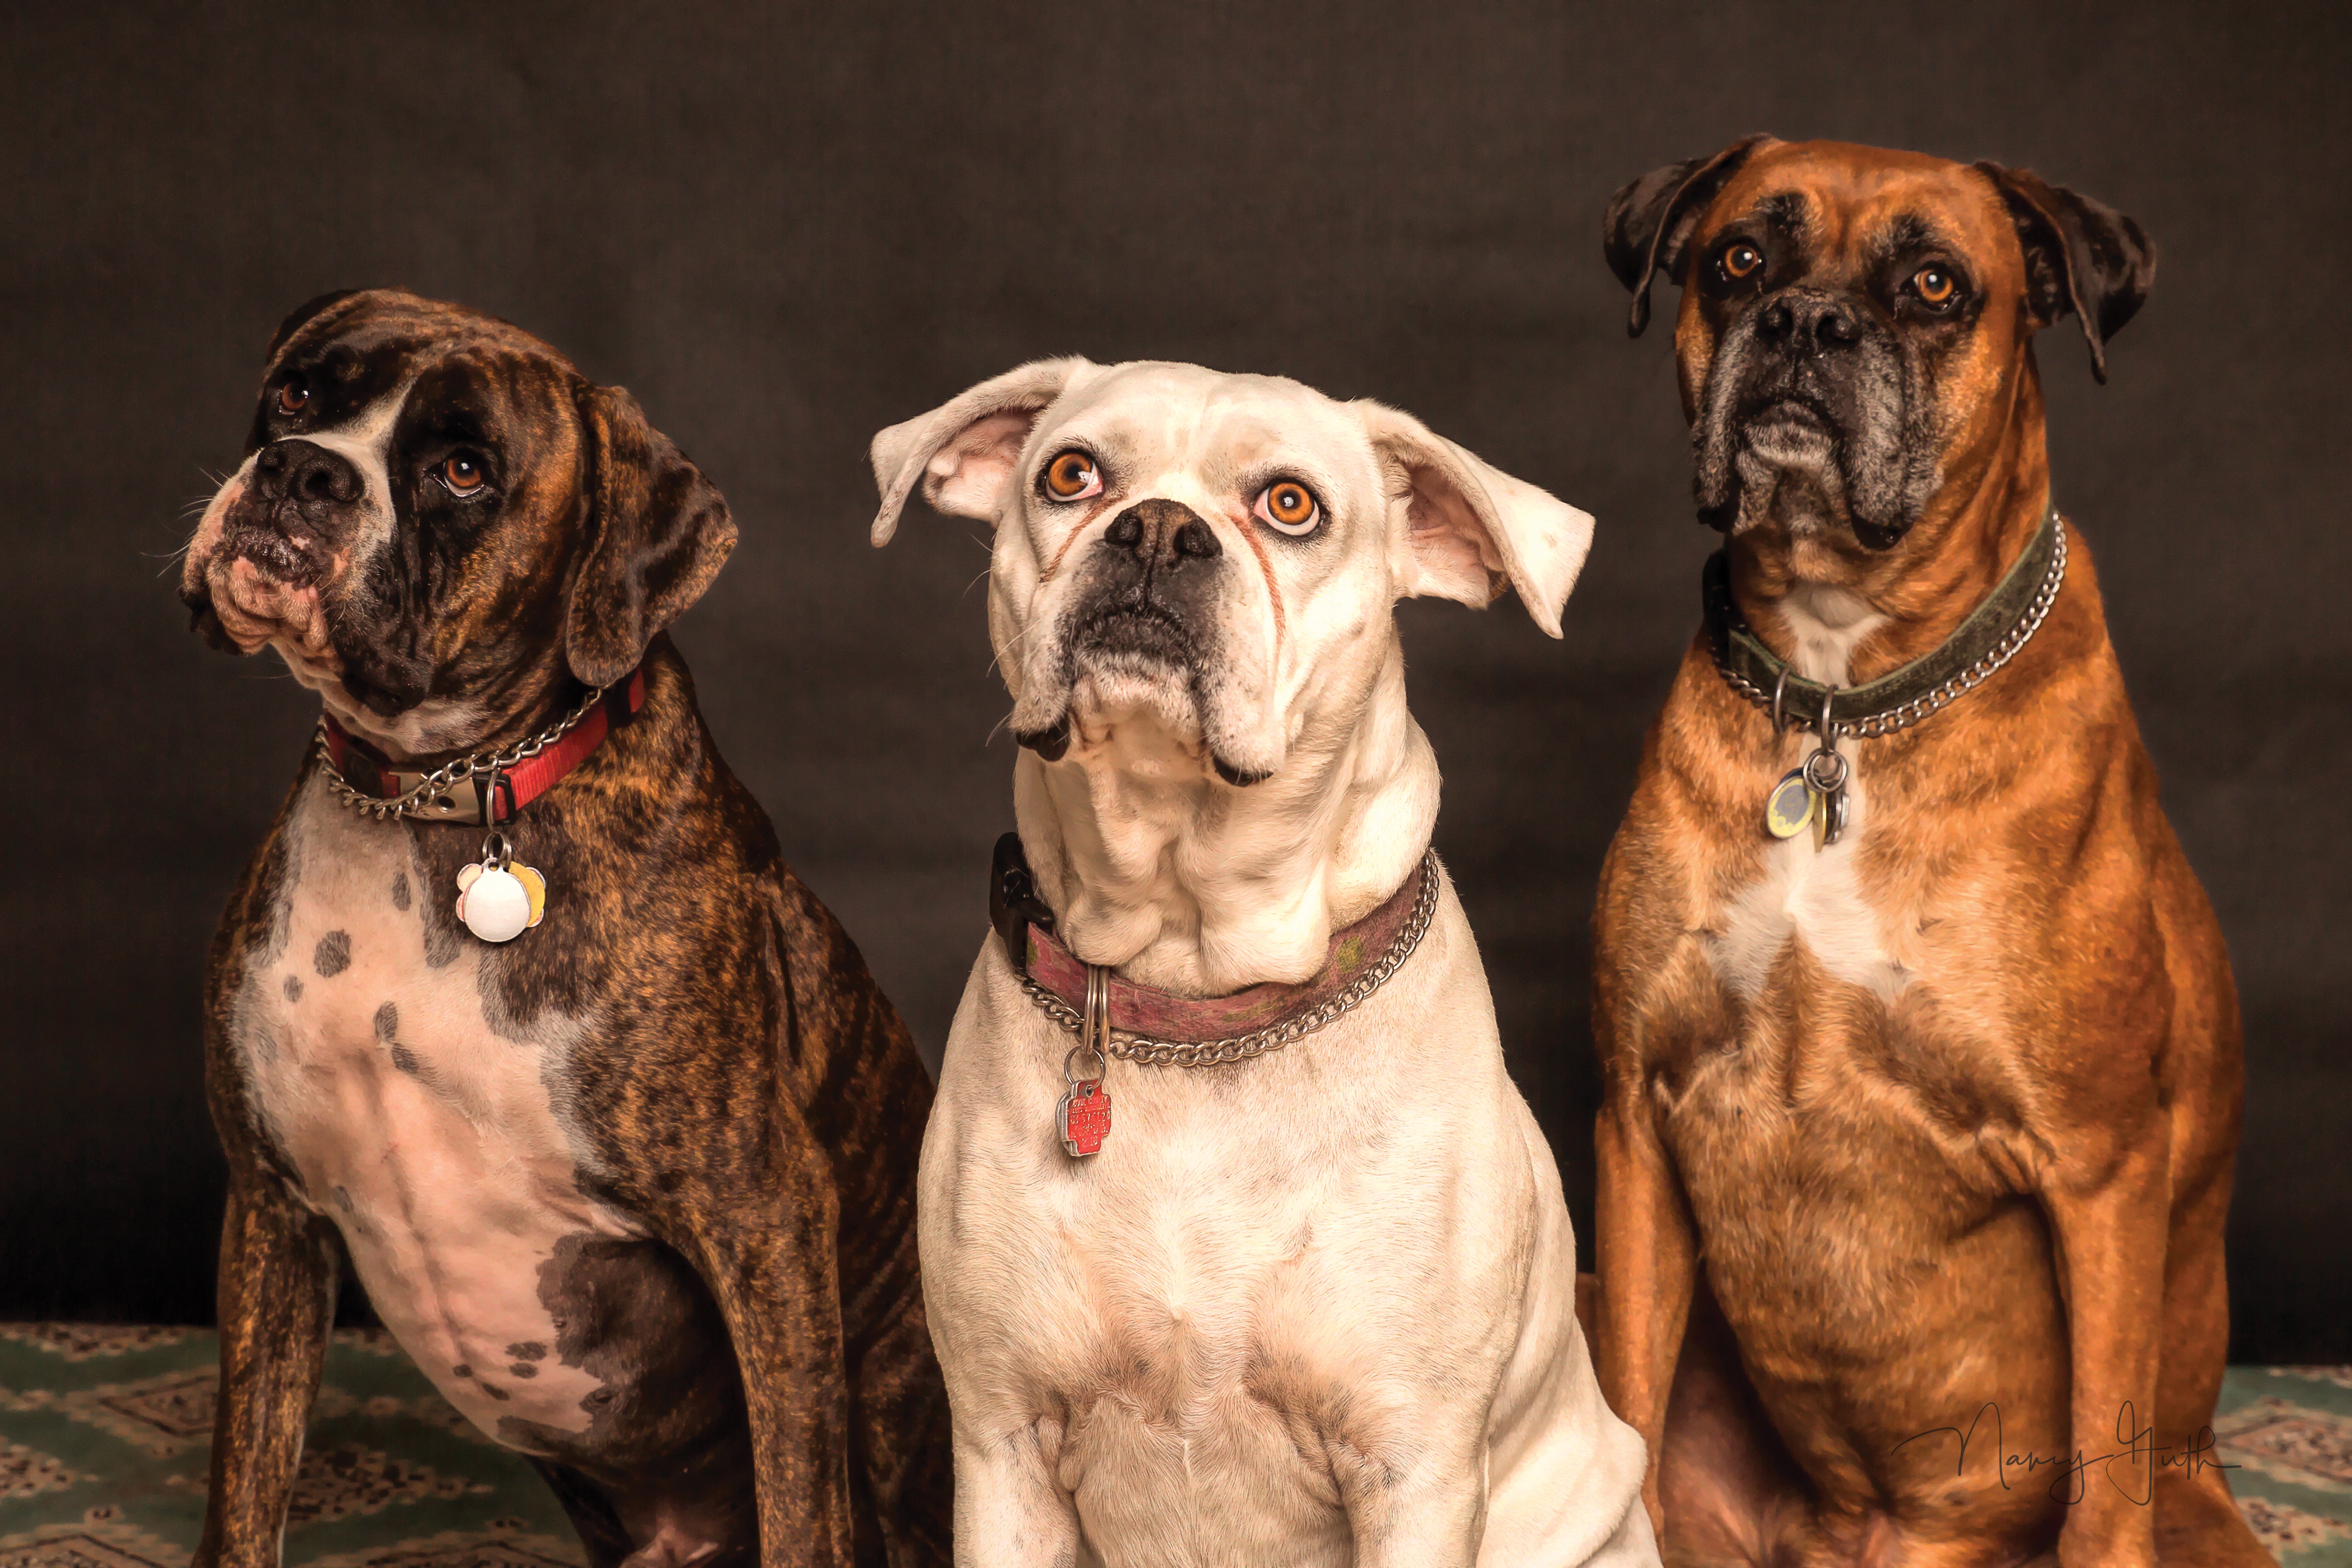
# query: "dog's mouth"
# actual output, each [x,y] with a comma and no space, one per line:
[1134,631]
[1133,653]
[261,583]
[1791,427]
[282,560]
[1819,446]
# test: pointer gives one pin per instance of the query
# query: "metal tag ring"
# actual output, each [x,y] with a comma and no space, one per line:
[1829,763]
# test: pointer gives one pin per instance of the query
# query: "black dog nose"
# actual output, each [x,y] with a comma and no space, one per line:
[306,472]
[1811,323]
[1164,533]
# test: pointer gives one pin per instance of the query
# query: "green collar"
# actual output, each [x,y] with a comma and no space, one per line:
[1981,644]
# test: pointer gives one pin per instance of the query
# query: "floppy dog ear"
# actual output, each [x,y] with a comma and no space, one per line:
[1649,221]
[658,534]
[2080,255]
[964,451]
[1471,531]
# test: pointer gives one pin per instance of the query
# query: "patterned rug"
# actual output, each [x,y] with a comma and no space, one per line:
[104,1435]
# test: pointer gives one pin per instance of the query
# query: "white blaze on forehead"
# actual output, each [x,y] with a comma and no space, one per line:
[364,441]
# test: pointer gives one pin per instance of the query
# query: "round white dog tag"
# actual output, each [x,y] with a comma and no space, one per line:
[499,905]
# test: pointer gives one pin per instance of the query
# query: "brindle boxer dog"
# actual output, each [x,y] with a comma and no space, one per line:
[1917,1141]
[635,1188]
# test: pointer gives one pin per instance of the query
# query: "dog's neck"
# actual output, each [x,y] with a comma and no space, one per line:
[1154,866]
[495,715]
[1839,612]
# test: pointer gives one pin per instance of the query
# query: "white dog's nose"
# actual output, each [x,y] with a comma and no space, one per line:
[1164,532]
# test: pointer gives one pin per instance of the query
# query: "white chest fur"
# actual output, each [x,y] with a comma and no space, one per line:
[1338,1277]
[1812,896]
[420,1119]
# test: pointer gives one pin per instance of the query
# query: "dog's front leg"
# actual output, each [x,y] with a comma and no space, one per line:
[774,1276]
[277,1303]
[1433,1514]
[2110,1214]
[1645,1249]
[1010,1508]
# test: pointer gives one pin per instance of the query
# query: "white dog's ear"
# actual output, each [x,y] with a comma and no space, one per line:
[964,451]
[1472,530]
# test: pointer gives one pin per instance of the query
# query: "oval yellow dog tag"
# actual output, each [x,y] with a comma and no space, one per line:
[1789,809]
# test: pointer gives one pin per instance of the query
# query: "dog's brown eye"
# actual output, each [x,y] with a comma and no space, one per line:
[1741,262]
[294,397]
[462,472]
[1289,506]
[1935,285]
[1073,477]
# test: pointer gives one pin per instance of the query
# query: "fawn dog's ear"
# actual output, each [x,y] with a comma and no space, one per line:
[2080,255]
[1649,221]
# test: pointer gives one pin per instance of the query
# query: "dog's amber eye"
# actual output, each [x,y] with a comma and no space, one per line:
[294,397]
[1935,285]
[1073,477]
[1741,262]
[462,472]
[1289,506]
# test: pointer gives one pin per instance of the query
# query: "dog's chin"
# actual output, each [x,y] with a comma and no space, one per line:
[1112,686]
[257,599]
[1114,690]
[1789,481]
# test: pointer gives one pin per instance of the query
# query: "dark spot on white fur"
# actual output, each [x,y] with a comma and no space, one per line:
[333,955]
[405,1059]
[387,1022]
[529,1350]
[523,1369]
[495,1393]
[293,988]
[400,890]
[461,1370]
[344,1199]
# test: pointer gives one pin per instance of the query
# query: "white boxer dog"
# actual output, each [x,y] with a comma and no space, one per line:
[1315,1305]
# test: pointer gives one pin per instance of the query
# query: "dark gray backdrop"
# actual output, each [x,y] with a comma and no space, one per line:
[784,228]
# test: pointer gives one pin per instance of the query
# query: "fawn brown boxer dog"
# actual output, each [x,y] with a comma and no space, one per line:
[626,1160]
[1919,1120]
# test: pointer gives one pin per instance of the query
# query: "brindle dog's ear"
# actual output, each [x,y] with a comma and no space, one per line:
[658,534]
[2080,255]
[300,317]
[1650,221]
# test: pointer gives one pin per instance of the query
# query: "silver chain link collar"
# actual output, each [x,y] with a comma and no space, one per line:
[1904,714]
[1149,1052]
[429,796]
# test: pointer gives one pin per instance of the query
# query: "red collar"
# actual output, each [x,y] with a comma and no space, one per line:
[370,772]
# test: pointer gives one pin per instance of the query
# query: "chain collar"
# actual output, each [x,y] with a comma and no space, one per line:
[1989,639]
[435,796]
[1143,1049]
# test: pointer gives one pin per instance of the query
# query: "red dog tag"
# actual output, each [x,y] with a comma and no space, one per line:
[1083,1118]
